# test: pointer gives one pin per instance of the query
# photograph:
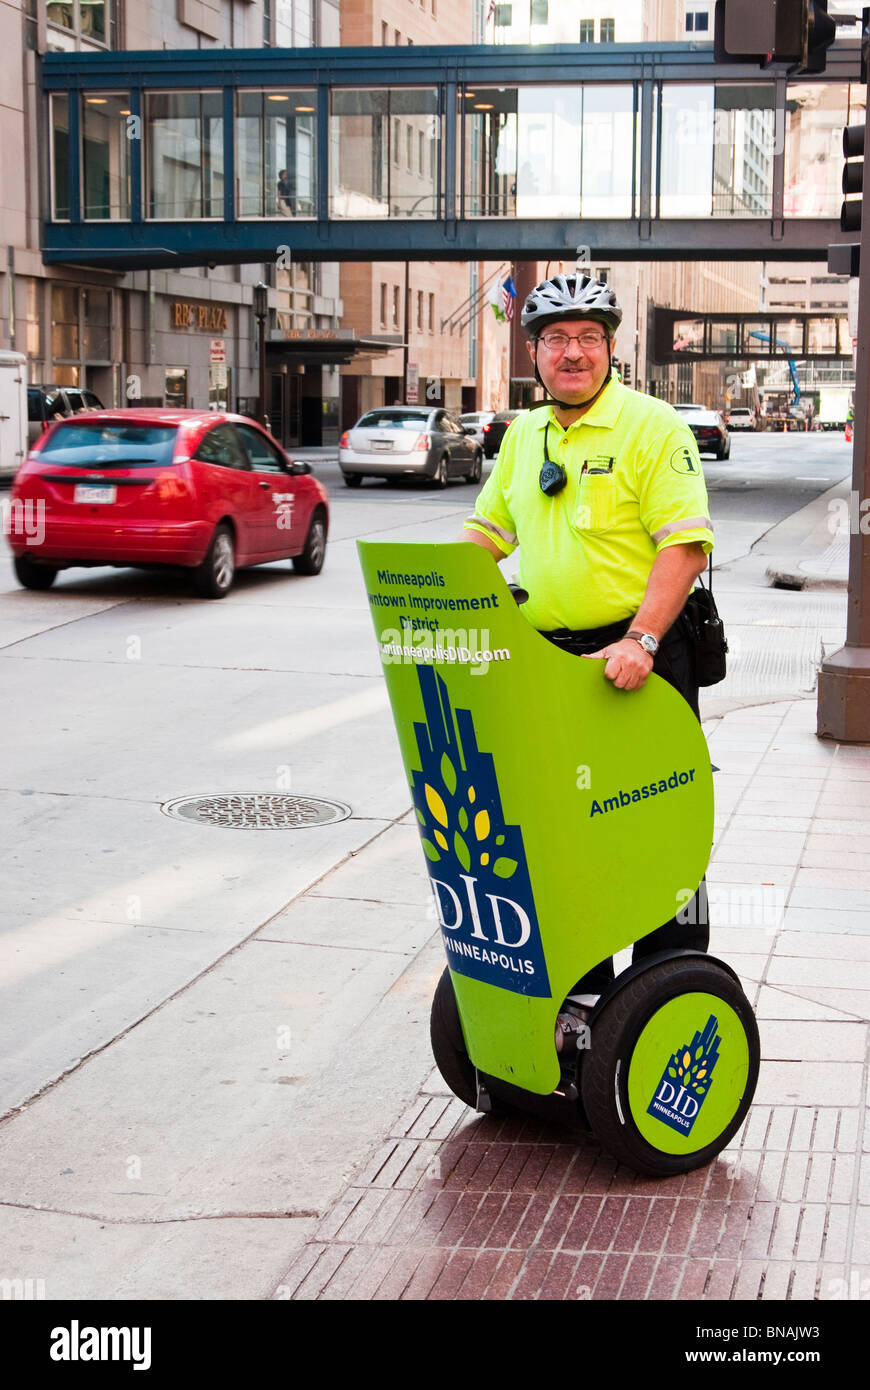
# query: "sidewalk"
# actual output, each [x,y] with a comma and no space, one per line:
[817,532]
[455,1205]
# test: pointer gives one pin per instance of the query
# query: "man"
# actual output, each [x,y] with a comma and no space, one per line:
[285,193]
[603,490]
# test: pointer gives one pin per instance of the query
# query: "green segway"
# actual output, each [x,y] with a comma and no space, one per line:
[561,821]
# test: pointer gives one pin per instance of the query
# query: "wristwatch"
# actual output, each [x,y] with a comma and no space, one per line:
[647,641]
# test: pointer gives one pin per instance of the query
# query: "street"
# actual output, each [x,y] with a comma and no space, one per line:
[207,1030]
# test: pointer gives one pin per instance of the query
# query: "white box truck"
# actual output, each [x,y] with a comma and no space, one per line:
[13,413]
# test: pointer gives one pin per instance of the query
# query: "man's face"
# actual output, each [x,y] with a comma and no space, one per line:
[570,371]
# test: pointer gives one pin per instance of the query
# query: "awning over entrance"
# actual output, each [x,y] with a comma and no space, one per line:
[327,346]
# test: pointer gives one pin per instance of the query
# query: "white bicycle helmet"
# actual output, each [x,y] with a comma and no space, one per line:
[570,296]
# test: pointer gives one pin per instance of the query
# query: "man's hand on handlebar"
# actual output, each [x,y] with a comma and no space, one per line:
[628,665]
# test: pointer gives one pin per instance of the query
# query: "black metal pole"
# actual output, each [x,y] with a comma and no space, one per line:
[844,680]
[262,366]
[407,331]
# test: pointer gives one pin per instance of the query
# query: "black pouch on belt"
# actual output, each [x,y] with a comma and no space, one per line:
[707,633]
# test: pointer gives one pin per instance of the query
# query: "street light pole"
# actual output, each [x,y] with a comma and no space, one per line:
[844,680]
[261,313]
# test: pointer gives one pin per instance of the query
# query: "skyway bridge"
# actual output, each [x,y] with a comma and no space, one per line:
[652,151]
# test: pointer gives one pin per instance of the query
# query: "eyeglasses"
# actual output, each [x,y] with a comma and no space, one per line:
[558,342]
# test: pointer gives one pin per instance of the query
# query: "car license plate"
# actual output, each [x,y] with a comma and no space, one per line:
[382,443]
[89,492]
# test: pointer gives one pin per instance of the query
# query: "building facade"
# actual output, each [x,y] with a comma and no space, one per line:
[341,339]
[456,352]
[185,337]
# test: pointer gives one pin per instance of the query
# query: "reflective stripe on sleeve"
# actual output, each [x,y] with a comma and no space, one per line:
[507,536]
[689,523]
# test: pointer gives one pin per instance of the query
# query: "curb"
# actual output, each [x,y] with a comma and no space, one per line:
[788,578]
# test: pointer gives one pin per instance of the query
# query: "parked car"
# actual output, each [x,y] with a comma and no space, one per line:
[412,440]
[742,418]
[709,430]
[207,491]
[692,405]
[45,404]
[477,420]
[494,431]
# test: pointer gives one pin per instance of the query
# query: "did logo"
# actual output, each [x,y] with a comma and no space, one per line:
[686,1080]
[477,863]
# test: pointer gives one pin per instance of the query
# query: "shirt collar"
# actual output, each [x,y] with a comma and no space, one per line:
[604,413]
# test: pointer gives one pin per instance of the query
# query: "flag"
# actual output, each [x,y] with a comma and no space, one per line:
[491,10]
[495,299]
[509,294]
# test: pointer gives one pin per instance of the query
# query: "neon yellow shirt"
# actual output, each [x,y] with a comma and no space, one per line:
[635,486]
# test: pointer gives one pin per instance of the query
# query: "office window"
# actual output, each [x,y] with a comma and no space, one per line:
[395,306]
[376,152]
[587,31]
[85,19]
[697,22]
[60,155]
[420,309]
[431,313]
[385,32]
[275,152]
[105,150]
[398,36]
[185,154]
[383,305]
[540,11]
[421,151]
[294,23]
[504,15]
[608,31]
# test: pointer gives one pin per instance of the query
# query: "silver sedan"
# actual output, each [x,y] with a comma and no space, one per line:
[409,440]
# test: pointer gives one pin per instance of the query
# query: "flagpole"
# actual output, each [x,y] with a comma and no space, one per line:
[512,340]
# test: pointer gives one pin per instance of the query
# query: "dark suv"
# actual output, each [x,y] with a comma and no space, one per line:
[45,404]
[494,432]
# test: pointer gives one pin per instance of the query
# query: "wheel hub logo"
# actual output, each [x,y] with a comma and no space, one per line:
[685,1081]
[477,864]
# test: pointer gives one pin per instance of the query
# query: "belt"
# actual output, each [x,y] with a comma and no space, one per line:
[593,639]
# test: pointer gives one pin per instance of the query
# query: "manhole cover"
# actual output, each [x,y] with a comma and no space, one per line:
[257,810]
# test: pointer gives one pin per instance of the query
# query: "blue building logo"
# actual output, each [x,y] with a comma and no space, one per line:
[477,863]
[685,1081]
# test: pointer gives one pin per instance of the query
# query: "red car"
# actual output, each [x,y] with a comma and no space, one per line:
[207,491]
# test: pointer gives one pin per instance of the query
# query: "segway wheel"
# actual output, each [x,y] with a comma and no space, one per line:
[448,1044]
[672,1066]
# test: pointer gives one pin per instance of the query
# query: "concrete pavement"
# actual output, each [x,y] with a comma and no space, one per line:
[458,1206]
[209,1034]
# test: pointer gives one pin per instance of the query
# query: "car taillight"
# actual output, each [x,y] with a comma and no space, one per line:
[422,443]
[344,442]
[171,488]
[486,429]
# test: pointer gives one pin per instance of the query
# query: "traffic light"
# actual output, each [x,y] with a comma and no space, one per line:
[853,178]
[626,373]
[798,32]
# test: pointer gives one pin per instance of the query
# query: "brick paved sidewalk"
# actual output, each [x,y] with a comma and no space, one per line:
[459,1206]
